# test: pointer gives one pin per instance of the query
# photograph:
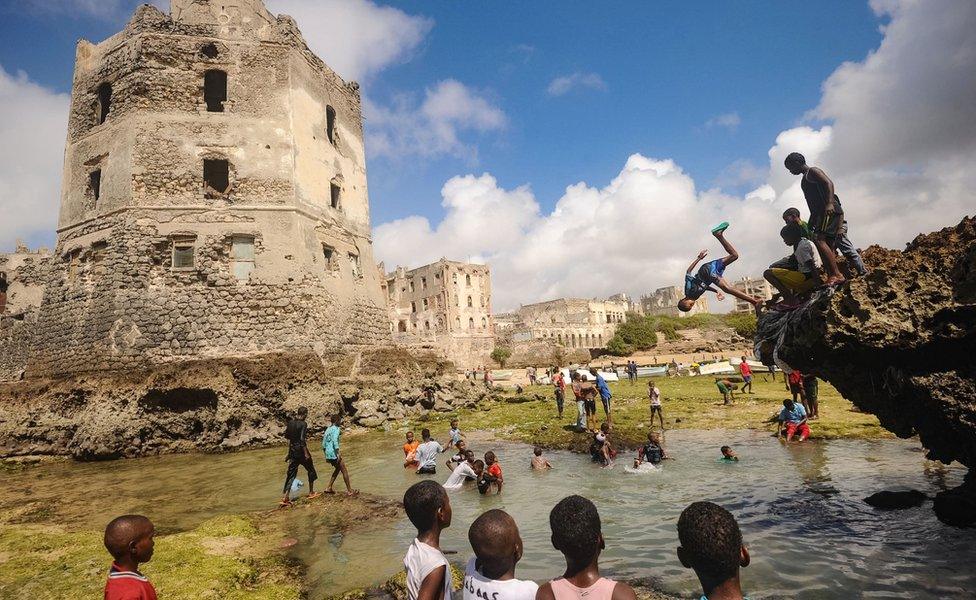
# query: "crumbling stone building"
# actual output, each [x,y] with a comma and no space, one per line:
[574,323]
[214,201]
[664,302]
[446,304]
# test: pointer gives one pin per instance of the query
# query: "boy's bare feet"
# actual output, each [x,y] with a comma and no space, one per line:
[352,493]
[832,281]
[314,495]
[329,491]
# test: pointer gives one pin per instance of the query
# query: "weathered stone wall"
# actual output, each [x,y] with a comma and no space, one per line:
[221,404]
[297,202]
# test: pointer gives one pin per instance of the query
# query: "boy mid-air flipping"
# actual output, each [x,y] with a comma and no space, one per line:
[711,273]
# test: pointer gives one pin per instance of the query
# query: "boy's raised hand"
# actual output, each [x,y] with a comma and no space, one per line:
[702,254]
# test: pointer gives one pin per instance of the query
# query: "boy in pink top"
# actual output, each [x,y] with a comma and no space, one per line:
[575,525]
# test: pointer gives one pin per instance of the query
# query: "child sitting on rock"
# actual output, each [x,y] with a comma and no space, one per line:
[800,273]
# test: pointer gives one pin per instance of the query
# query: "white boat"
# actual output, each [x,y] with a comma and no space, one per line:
[643,371]
[719,368]
[585,374]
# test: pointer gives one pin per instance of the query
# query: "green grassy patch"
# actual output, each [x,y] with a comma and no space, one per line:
[216,560]
[689,403]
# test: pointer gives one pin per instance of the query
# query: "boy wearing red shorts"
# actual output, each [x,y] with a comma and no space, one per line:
[793,419]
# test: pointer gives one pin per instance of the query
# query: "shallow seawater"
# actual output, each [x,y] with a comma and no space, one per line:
[800,509]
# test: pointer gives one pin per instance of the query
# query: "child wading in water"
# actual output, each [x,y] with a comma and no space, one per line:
[652,452]
[601,450]
[711,544]
[576,532]
[711,273]
[330,445]
[492,474]
[129,540]
[539,463]
[428,572]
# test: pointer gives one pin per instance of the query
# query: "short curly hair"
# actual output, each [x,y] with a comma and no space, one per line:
[711,538]
[795,158]
[575,525]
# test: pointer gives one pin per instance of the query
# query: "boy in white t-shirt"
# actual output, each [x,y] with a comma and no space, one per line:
[428,572]
[497,546]
[798,274]
[654,395]
[465,471]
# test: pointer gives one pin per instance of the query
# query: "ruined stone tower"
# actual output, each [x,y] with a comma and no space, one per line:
[214,199]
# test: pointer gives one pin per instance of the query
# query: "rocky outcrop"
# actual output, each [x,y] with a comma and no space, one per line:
[899,343]
[219,405]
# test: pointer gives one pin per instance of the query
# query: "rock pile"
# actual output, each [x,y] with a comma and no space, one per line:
[900,343]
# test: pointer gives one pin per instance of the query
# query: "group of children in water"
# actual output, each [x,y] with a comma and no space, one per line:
[711,544]
[815,242]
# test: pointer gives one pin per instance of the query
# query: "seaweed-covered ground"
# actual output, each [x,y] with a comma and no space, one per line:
[689,403]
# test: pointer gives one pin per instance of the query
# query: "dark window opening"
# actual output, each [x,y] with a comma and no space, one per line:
[210,51]
[336,192]
[216,175]
[215,90]
[95,184]
[104,102]
[328,252]
[330,121]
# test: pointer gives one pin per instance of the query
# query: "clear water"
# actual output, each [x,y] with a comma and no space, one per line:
[800,509]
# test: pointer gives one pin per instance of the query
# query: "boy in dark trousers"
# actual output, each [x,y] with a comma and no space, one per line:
[711,544]
[129,539]
[298,455]
[428,572]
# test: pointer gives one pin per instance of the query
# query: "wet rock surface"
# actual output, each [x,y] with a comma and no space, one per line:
[218,405]
[899,343]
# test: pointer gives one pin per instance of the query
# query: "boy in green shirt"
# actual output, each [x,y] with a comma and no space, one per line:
[330,445]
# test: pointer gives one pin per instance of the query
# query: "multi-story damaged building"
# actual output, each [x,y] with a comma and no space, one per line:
[664,302]
[757,287]
[569,322]
[446,304]
[214,200]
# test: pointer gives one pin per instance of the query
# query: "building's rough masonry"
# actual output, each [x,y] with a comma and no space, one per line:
[757,287]
[214,207]
[445,305]
[664,302]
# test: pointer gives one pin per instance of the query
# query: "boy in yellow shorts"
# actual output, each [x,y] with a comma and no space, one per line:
[797,274]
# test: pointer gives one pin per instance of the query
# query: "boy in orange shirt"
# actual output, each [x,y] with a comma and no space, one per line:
[409,452]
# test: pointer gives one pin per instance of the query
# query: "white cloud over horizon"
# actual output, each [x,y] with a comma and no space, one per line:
[33,128]
[729,120]
[578,80]
[899,140]
[410,128]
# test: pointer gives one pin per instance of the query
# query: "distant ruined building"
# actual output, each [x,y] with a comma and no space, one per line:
[664,302]
[446,305]
[214,203]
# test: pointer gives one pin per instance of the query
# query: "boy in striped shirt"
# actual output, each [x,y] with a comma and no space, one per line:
[129,539]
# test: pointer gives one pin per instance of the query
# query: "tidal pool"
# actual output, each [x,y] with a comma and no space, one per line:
[800,509]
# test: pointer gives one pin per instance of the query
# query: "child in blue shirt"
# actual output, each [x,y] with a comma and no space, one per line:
[330,445]
[711,273]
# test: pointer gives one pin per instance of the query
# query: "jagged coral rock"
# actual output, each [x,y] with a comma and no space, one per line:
[899,343]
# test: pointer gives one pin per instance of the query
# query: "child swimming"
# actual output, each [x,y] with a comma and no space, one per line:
[728,455]
[652,452]
[539,463]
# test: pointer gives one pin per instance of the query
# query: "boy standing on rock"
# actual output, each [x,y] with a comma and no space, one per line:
[298,455]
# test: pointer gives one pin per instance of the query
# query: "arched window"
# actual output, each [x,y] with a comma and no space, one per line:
[484,323]
[467,280]
[215,90]
[471,323]
[470,302]
[330,122]
[104,101]
[209,50]
[457,323]
[560,338]
[427,325]
[335,194]
[403,326]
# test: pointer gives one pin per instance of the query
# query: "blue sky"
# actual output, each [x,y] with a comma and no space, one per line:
[549,137]
[668,68]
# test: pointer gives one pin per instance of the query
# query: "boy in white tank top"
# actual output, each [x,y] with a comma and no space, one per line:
[576,532]
[428,572]
[497,546]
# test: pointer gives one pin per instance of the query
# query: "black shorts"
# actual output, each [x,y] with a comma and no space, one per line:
[431,470]
[828,226]
[335,462]
[655,409]
[796,388]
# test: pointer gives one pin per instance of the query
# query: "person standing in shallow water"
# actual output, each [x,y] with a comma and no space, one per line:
[298,455]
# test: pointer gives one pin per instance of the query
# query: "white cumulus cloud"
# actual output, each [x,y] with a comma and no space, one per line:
[897,133]
[357,38]
[408,128]
[567,83]
[33,127]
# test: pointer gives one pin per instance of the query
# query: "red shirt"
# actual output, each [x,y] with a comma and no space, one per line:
[796,378]
[745,369]
[128,585]
[495,470]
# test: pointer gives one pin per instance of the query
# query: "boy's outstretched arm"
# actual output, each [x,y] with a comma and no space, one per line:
[701,256]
